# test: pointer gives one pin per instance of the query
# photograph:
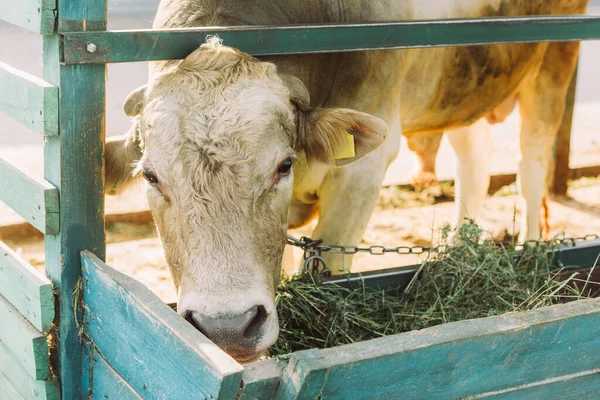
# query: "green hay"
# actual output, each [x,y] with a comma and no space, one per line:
[465,281]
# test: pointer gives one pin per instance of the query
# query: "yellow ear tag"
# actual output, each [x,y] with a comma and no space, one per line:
[345,147]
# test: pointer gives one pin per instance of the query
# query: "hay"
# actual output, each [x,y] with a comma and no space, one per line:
[465,281]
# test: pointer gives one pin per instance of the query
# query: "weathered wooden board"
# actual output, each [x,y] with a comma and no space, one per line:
[260,380]
[8,390]
[73,163]
[26,289]
[29,100]
[34,15]
[106,383]
[36,201]
[149,45]
[26,385]
[454,360]
[576,387]
[27,344]
[159,353]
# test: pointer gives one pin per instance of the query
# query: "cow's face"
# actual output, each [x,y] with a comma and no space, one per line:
[218,137]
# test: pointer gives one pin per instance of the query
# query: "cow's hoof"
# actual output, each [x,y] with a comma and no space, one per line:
[422,180]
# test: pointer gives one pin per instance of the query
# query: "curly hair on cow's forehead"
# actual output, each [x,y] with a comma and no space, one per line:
[215,56]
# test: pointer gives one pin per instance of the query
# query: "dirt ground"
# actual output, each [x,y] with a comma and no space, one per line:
[402,218]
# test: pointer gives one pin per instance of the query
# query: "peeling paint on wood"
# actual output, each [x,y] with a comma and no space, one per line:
[455,360]
[158,352]
[261,379]
[108,384]
[73,163]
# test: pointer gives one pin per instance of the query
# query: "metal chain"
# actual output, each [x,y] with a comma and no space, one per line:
[314,248]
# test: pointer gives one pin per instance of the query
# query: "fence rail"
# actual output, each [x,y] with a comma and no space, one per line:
[29,100]
[36,201]
[162,44]
[35,15]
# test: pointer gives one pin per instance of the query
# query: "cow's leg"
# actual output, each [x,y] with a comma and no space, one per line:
[348,197]
[542,99]
[473,148]
[425,146]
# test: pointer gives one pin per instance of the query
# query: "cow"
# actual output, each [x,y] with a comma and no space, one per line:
[426,146]
[235,150]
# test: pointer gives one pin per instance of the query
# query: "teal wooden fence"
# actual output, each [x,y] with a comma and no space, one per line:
[111,338]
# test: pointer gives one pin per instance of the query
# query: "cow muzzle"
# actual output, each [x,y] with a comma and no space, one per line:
[244,336]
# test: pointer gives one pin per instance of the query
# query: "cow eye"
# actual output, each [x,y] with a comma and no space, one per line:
[150,177]
[285,167]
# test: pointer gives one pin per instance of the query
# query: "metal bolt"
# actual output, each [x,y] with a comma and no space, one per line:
[91,47]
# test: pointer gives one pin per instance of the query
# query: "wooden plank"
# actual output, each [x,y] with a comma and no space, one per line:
[27,344]
[152,45]
[454,360]
[36,201]
[26,289]
[73,163]
[580,386]
[107,383]
[562,144]
[29,100]
[34,15]
[261,379]
[154,342]
[8,390]
[26,385]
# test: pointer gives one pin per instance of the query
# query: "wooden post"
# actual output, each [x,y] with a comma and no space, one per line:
[73,163]
[562,145]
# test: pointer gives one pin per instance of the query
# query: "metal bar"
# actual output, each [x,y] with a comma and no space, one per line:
[150,45]
[583,254]
[73,163]
[36,201]
[28,100]
[567,256]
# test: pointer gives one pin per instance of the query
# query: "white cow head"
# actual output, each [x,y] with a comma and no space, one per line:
[216,138]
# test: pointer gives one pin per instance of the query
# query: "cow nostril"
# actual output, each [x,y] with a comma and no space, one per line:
[254,327]
[189,317]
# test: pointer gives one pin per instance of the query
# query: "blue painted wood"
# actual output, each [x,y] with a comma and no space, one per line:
[26,289]
[73,163]
[454,360]
[23,383]
[29,100]
[158,352]
[581,386]
[8,390]
[150,45]
[261,379]
[27,344]
[34,15]
[35,200]
[107,383]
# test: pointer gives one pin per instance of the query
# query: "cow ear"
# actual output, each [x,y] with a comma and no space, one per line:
[121,154]
[134,103]
[340,136]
